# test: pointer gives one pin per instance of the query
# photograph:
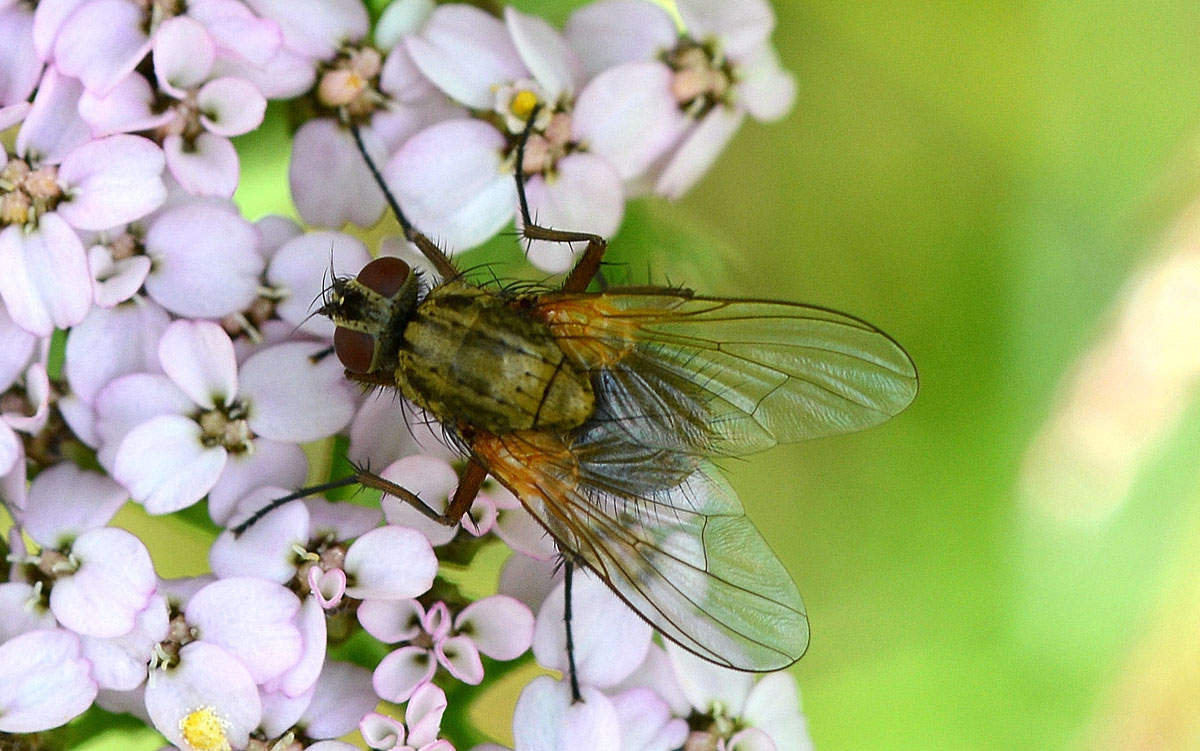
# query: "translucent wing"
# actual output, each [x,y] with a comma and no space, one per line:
[729,377]
[685,558]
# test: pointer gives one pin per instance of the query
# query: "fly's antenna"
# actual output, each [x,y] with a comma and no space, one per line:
[427,247]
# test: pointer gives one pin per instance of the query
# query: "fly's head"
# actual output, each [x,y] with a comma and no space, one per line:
[370,312]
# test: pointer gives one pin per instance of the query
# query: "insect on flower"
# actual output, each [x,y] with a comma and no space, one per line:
[602,412]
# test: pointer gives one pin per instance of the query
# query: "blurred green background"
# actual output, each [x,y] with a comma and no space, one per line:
[985,181]
[981,179]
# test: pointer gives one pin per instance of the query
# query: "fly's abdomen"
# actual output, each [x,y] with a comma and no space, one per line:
[467,356]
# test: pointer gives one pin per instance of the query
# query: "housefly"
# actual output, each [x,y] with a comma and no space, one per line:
[604,411]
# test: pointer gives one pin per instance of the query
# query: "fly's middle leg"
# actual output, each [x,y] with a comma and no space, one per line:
[588,266]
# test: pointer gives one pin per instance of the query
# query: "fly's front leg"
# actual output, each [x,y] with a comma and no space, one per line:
[464,495]
[468,487]
[427,247]
[589,263]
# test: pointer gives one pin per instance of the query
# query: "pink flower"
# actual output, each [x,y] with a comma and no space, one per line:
[735,711]
[610,639]
[497,626]
[546,719]
[169,438]
[44,681]
[419,731]
[44,276]
[389,101]
[721,69]
[205,109]
[454,179]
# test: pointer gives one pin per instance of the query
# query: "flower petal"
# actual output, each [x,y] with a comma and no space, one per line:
[53,127]
[45,280]
[183,55]
[198,357]
[316,28]
[344,694]
[230,106]
[209,690]
[275,463]
[208,166]
[739,26]
[64,501]
[126,109]
[114,582]
[610,639]
[390,563]
[766,90]
[112,181]
[302,267]
[459,655]
[465,52]
[706,684]
[112,343]
[44,681]
[266,549]
[165,465]
[262,636]
[449,182]
[293,399]
[628,116]
[698,151]
[544,52]
[206,262]
[501,627]
[18,58]
[546,719]
[330,182]
[391,621]
[773,706]
[400,673]
[607,33]
[101,42]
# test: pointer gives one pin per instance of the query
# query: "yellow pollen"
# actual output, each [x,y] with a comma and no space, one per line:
[523,103]
[204,731]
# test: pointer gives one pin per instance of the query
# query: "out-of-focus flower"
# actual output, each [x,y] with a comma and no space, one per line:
[204,109]
[497,626]
[44,681]
[454,179]
[735,710]
[722,68]
[385,98]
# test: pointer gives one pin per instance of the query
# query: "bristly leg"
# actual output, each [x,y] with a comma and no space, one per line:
[427,247]
[589,263]
[468,487]
[568,574]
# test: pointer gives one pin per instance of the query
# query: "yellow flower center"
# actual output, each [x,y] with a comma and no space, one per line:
[204,730]
[523,103]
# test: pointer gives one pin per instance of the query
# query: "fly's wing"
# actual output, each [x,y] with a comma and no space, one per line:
[684,558]
[728,377]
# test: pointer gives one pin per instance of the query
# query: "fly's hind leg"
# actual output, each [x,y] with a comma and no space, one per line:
[588,265]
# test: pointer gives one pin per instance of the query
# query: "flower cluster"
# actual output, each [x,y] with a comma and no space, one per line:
[158,346]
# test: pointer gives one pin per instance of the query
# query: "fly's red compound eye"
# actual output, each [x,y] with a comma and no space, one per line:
[385,275]
[355,349]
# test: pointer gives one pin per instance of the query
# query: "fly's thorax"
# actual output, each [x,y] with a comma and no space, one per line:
[471,357]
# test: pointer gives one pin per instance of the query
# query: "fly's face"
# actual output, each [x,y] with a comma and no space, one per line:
[370,312]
